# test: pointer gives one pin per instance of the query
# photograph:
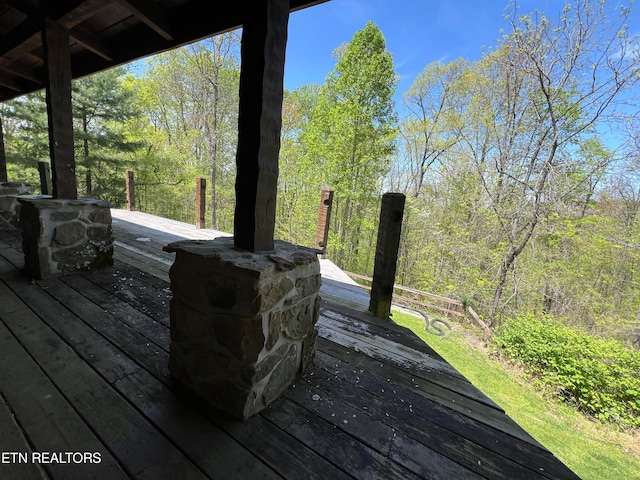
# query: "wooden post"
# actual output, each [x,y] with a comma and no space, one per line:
[201,205]
[57,62]
[131,191]
[3,157]
[386,258]
[264,41]
[46,188]
[324,217]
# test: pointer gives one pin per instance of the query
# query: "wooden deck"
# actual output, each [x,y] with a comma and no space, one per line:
[83,372]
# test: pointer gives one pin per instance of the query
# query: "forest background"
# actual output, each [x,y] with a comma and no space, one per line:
[518,201]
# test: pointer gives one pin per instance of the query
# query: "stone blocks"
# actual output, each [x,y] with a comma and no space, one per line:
[9,206]
[242,323]
[64,236]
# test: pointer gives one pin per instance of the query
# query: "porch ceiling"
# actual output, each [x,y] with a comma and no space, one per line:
[106,33]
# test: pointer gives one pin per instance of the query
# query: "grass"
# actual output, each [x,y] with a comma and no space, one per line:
[592,450]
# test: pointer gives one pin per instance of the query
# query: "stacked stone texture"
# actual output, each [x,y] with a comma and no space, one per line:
[9,205]
[65,236]
[242,323]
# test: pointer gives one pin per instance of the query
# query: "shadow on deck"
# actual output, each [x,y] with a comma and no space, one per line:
[84,387]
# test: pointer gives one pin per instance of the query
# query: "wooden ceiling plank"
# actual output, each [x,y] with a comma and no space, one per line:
[150,14]
[9,83]
[24,72]
[91,42]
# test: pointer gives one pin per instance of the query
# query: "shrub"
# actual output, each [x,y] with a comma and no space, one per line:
[600,377]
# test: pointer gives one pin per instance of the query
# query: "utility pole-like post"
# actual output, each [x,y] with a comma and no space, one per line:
[386,258]
[131,191]
[201,206]
[324,217]
[46,187]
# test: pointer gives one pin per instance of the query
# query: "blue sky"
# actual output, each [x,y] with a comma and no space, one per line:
[417,32]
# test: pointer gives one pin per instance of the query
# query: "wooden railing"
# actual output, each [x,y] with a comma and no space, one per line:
[424,300]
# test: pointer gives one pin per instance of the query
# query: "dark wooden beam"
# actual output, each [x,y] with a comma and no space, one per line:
[324,219]
[151,15]
[55,40]
[91,42]
[264,41]
[386,258]
[3,157]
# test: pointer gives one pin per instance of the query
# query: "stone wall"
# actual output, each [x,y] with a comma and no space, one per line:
[242,324]
[9,206]
[64,236]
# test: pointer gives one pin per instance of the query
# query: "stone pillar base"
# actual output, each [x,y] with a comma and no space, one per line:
[9,206]
[242,323]
[64,236]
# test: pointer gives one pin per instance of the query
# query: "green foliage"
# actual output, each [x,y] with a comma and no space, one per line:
[600,377]
[350,137]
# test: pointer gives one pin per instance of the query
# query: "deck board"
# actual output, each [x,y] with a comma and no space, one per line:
[84,368]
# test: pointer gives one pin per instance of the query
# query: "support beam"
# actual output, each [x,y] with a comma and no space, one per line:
[264,40]
[130,187]
[46,188]
[3,157]
[386,259]
[201,201]
[57,60]
[324,219]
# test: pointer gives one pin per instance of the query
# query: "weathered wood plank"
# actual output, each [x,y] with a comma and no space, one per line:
[405,406]
[156,332]
[152,356]
[126,284]
[356,459]
[355,413]
[344,400]
[148,266]
[404,342]
[139,447]
[12,442]
[429,391]
[215,452]
[421,368]
[48,420]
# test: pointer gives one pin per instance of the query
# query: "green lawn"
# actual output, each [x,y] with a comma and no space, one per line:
[591,450]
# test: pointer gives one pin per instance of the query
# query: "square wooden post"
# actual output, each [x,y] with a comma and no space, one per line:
[57,62]
[44,170]
[386,258]
[3,157]
[324,217]
[264,40]
[130,187]
[201,205]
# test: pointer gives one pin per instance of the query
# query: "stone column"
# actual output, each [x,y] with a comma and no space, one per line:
[242,323]
[9,206]
[62,236]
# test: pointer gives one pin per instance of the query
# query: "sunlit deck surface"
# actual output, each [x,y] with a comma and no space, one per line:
[84,369]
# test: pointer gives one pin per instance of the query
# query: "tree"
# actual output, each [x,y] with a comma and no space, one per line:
[102,106]
[217,76]
[299,179]
[25,135]
[429,129]
[552,82]
[352,136]
[190,97]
